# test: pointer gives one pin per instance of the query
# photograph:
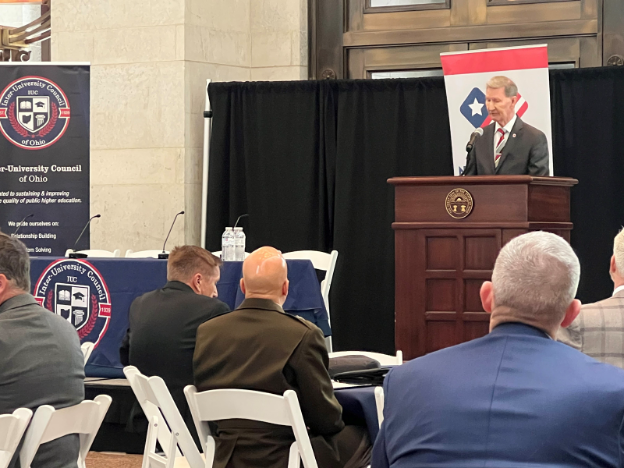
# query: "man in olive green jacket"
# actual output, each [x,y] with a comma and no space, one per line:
[260,347]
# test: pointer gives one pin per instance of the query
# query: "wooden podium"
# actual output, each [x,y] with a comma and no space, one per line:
[448,232]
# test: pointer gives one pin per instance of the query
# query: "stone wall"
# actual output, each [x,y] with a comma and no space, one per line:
[150,61]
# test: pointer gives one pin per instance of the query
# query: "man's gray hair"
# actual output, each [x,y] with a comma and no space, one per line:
[15,262]
[536,275]
[496,82]
[618,252]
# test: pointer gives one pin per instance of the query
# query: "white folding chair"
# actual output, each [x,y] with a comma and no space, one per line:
[12,428]
[383,359]
[87,349]
[166,425]
[379,403]
[49,424]
[321,261]
[144,253]
[217,253]
[94,253]
[217,405]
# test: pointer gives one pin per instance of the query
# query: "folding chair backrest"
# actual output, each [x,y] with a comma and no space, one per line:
[164,417]
[87,349]
[12,428]
[321,261]
[49,424]
[216,405]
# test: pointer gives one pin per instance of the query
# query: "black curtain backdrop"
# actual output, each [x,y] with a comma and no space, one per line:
[309,161]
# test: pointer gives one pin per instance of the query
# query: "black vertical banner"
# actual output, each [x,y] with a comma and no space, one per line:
[44,155]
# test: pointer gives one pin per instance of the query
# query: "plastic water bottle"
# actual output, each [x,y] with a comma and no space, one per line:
[227,245]
[239,244]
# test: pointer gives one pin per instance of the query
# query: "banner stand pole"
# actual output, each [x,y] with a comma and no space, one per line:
[207,137]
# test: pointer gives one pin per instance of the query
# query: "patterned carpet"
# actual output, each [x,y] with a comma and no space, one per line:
[113,460]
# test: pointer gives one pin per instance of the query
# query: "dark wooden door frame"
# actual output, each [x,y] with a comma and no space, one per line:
[327,26]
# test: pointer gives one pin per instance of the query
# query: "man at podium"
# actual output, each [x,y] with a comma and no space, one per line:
[508,146]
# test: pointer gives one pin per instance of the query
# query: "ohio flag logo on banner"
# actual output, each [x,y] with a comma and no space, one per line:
[465,76]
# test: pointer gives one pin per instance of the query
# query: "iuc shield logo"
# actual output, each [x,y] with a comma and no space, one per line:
[34,112]
[75,290]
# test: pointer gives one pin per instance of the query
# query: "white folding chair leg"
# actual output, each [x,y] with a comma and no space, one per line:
[379,403]
[294,460]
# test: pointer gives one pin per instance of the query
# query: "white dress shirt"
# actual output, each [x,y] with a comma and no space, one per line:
[617,290]
[507,129]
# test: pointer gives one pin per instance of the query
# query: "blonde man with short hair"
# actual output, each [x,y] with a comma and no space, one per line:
[508,146]
[598,331]
[163,323]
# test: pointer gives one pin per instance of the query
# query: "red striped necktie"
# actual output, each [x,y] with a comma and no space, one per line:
[499,146]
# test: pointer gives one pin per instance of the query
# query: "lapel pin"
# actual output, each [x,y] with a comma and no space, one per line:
[513,136]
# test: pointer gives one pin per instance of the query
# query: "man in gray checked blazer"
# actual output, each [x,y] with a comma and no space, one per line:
[40,358]
[598,331]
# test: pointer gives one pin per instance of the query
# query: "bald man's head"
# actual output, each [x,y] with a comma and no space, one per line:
[265,275]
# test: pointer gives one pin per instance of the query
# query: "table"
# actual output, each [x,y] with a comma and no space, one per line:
[359,407]
[95,294]
[118,433]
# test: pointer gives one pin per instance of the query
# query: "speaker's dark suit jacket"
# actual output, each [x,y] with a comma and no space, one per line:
[40,364]
[260,347]
[526,152]
[161,337]
[514,398]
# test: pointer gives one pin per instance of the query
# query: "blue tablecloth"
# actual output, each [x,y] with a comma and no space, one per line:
[95,295]
[359,407]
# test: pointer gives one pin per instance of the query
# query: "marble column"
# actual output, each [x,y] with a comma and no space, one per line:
[150,61]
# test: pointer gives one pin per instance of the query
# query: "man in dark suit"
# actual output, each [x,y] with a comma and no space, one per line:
[508,145]
[163,323]
[598,331]
[40,358]
[516,397]
[260,347]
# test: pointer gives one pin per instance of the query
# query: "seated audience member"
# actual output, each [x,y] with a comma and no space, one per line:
[260,347]
[515,397]
[40,358]
[598,331]
[163,323]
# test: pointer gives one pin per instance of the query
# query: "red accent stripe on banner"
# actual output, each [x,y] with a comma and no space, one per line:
[495,61]
[3,114]
[523,109]
[486,122]
[65,113]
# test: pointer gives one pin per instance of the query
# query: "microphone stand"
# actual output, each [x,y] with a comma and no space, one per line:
[164,255]
[75,254]
[19,225]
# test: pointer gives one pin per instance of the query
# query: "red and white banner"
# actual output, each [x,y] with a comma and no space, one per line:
[465,76]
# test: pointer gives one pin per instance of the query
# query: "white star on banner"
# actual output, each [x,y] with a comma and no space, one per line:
[476,107]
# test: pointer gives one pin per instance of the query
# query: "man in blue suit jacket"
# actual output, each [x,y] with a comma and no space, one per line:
[516,397]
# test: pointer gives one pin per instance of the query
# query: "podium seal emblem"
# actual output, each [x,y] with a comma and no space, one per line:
[459,203]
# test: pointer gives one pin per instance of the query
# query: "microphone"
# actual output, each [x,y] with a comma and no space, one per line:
[165,255]
[75,254]
[241,216]
[19,225]
[473,138]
